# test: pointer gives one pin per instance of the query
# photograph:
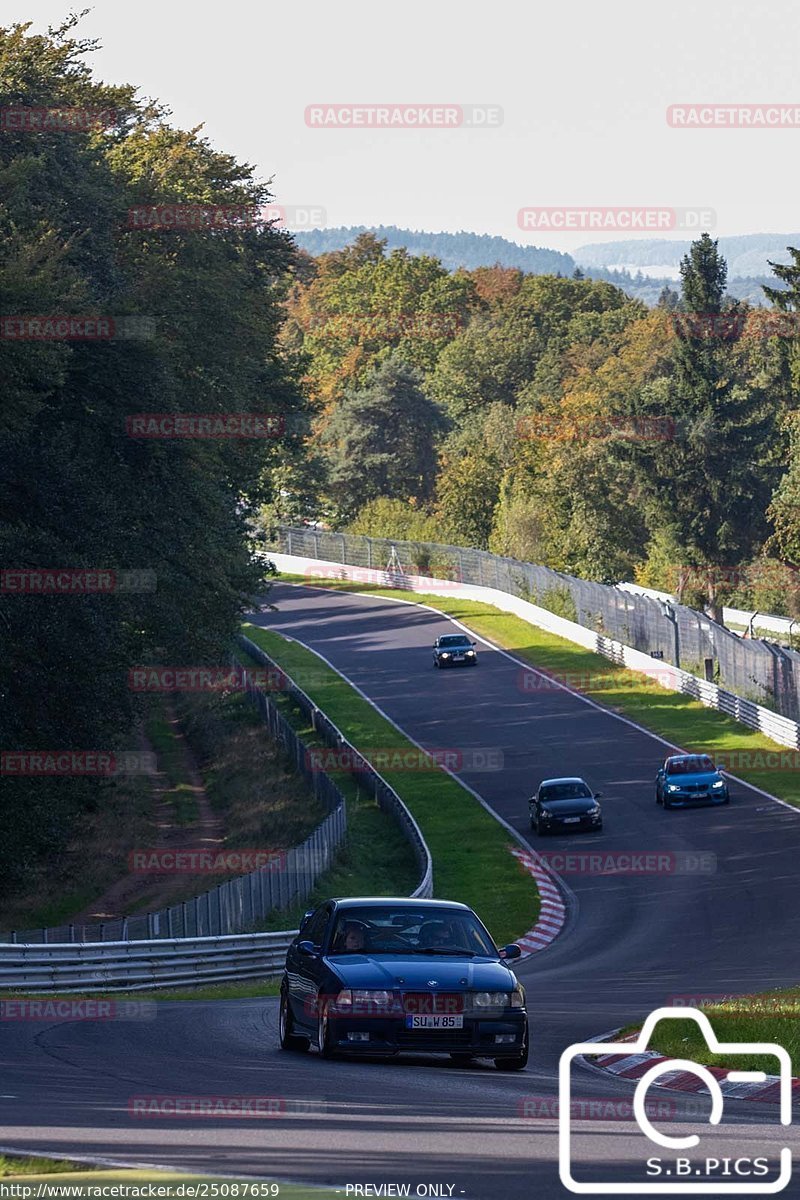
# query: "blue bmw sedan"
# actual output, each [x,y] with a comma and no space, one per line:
[382,976]
[690,779]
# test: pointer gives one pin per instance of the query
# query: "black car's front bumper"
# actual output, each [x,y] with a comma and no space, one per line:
[458,662]
[485,1037]
[562,825]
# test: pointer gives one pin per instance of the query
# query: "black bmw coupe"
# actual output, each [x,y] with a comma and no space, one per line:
[379,976]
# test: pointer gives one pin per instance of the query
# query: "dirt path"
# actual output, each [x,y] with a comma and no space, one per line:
[205,833]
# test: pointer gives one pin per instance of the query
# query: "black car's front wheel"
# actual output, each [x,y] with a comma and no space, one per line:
[324,1035]
[516,1062]
[288,1038]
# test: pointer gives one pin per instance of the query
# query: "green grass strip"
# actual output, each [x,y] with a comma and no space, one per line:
[764,1017]
[685,722]
[470,850]
[86,1181]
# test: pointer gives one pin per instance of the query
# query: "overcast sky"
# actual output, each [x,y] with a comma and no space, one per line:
[584,90]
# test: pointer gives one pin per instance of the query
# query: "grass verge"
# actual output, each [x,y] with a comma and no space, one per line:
[683,721]
[764,1017]
[41,1170]
[376,859]
[470,850]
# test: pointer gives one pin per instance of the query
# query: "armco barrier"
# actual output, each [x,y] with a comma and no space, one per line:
[762,671]
[780,729]
[368,778]
[134,965]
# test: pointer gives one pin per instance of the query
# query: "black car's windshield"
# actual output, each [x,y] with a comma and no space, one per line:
[451,641]
[697,764]
[569,790]
[376,929]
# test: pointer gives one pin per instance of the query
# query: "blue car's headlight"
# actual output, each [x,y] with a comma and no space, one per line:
[720,783]
[673,787]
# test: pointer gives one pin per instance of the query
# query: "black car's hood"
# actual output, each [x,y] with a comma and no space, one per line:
[417,972]
[569,808]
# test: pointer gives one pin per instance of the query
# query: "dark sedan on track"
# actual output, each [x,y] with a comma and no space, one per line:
[690,779]
[565,806]
[380,976]
[454,650]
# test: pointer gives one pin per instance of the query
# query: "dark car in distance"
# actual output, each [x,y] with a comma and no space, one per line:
[454,650]
[690,779]
[565,806]
[386,977]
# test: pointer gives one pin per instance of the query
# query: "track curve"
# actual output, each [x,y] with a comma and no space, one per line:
[631,943]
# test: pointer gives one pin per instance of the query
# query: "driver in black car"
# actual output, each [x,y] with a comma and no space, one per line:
[435,935]
[351,938]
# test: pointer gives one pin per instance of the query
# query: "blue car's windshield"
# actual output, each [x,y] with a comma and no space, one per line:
[696,764]
[395,930]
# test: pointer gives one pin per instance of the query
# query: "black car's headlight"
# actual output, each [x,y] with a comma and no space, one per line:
[444,655]
[515,999]
[595,811]
[470,654]
[360,1001]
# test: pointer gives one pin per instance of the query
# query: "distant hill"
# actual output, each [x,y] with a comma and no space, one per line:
[470,250]
[748,255]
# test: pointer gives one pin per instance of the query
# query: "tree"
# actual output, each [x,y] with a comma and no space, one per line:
[78,491]
[381,441]
[705,484]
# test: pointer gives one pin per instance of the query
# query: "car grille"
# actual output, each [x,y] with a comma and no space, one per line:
[433,1002]
[429,1039]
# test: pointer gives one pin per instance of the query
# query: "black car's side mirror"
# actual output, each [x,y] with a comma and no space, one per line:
[473,643]
[308,949]
[511,951]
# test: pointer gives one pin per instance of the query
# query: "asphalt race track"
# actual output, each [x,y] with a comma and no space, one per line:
[632,942]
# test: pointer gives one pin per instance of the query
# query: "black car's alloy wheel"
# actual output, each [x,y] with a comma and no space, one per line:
[289,1040]
[324,1035]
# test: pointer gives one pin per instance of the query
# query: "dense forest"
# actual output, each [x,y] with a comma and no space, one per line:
[751,254]
[547,416]
[555,419]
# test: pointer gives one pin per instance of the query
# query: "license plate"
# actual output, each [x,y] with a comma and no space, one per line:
[571,820]
[458,657]
[434,1022]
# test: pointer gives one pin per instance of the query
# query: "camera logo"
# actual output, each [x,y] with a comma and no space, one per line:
[700,1176]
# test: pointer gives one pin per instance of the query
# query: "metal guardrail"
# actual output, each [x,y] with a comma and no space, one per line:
[134,965]
[365,774]
[138,966]
[750,667]
[783,730]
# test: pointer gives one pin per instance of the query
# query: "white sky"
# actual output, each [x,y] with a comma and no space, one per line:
[584,88]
